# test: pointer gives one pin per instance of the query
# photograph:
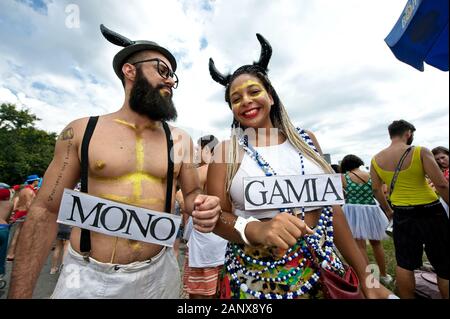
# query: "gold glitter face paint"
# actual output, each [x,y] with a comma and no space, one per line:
[164,93]
[245,86]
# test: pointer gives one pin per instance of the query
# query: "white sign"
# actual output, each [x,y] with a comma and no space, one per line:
[278,192]
[118,220]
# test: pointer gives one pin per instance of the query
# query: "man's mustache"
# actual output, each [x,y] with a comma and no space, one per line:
[162,86]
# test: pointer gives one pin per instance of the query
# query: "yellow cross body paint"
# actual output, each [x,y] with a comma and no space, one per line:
[136,177]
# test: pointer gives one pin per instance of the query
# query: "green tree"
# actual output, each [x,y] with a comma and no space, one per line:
[24,149]
[12,119]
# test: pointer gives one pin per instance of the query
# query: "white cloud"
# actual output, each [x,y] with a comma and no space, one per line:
[330,65]
[6,96]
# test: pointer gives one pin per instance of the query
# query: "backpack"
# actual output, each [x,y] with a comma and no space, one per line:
[426,285]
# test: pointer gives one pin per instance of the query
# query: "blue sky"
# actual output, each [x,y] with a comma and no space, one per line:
[331,67]
[37,5]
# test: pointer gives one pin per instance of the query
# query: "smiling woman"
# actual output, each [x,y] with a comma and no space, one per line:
[277,253]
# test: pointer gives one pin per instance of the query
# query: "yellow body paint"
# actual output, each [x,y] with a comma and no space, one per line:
[139,152]
[135,245]
[125,123]
[164,93]
[136,178]
[100,165]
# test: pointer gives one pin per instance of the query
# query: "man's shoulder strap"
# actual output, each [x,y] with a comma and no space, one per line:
[170,167]
[398,169]
[85,239]
[92,123]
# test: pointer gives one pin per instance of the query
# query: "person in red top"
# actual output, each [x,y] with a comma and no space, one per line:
[5,211]
[441,156]
[20,210]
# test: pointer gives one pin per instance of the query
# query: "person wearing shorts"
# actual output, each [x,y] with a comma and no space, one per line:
[60,251]
[419,219]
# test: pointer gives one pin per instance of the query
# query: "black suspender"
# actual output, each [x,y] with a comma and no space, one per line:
[85,240]
[170,167]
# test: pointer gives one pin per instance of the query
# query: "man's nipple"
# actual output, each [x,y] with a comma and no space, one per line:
[99,165]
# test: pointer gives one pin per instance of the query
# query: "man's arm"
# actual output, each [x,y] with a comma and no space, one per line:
[40,227]
[204,209]
[15,202]
[315,141]
[29,195]
[188,178]
[378,192]
[5,211]
[434,173]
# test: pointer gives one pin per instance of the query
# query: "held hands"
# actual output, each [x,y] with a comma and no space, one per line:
[206,213]
[282,231]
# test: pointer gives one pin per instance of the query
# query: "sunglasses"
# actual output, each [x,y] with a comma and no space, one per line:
[163,70]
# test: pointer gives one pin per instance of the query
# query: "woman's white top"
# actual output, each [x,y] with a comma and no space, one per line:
[205,250]
[285,161]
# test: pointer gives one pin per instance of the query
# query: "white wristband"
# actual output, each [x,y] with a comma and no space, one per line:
[241,224]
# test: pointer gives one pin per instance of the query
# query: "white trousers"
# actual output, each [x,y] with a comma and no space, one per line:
[158,278]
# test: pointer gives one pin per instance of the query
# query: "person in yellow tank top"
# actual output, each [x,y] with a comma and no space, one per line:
[419,218]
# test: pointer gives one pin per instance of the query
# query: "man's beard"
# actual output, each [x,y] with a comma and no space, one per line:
[148,101]
[410,141]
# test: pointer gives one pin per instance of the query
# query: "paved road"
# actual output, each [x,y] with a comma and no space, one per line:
[46,282]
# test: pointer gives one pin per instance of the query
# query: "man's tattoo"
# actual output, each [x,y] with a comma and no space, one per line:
[60,175]
[67,134]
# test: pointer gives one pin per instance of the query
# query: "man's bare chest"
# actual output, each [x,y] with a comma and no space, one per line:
[124,153]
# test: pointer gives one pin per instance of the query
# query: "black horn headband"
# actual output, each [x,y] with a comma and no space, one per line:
[262,64]
[115,38]
[131,47]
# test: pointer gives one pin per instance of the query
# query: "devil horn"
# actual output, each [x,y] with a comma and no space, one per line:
[114,37]
[216,75]
[266,52]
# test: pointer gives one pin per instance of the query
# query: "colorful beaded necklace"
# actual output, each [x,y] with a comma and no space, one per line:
[324,231]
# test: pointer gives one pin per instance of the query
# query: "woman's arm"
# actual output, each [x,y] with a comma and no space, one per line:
[216,187]
[347,246]
[315,141]
[378,190]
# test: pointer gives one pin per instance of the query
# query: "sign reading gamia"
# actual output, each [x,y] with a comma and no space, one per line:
[278,192]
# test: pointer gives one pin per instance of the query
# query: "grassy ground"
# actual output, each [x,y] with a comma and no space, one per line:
[389,254]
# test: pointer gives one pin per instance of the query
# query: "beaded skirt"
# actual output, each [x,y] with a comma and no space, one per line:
[260,273]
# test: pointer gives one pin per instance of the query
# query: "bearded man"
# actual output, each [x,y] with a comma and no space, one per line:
[131,158]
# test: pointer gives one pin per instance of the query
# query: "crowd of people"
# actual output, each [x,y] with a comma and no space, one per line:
[134,158]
